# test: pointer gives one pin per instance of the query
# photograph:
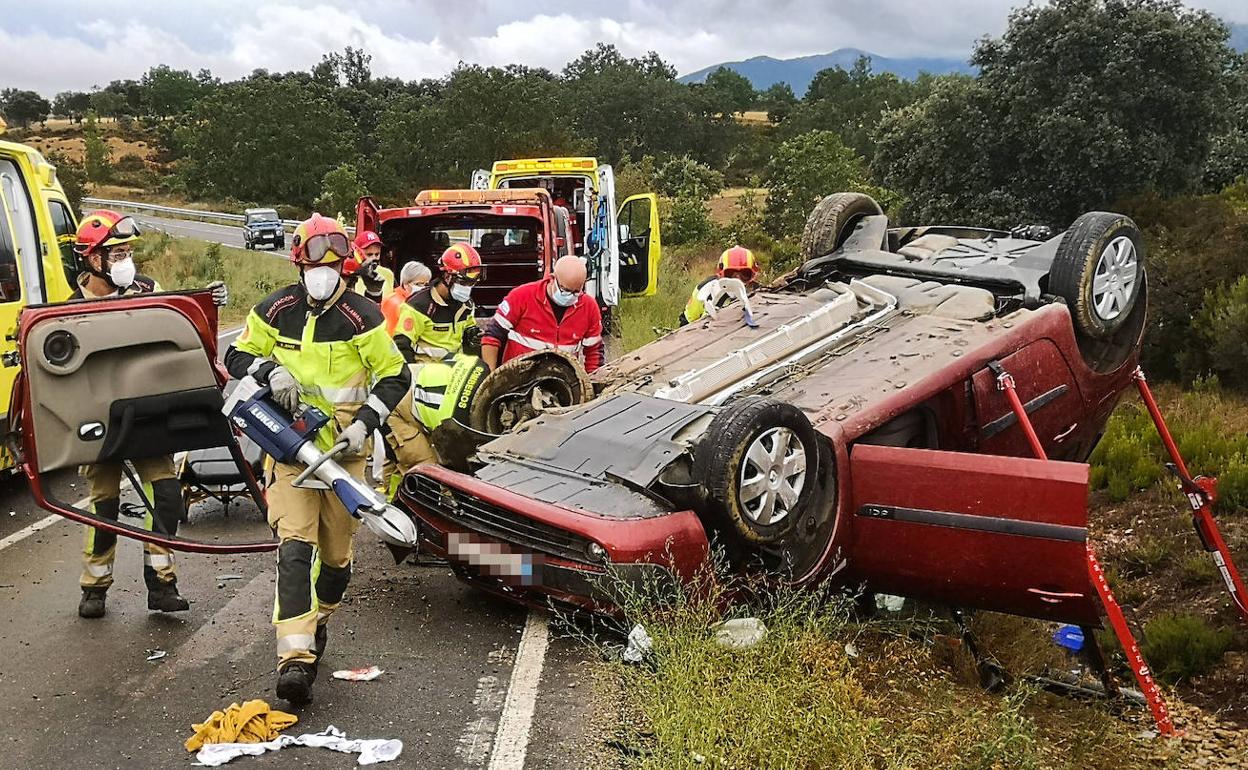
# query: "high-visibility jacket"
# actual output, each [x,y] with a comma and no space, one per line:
[345,363]
[525,321]
[390,307]
[695,308]
[441,390]
[431,328]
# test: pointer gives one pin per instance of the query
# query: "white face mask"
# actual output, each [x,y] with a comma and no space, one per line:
[563,297]
[460,292]
[321,282]
[121,273]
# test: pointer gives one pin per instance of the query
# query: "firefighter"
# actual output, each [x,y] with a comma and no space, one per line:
[551,313]
[315,342]
[412,278]
[366,275]
[104,245]
[432,321]
[737,262]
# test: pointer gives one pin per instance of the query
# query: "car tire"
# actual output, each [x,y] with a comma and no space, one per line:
[247,245]
[1099,271]
[754,448]
[831,221]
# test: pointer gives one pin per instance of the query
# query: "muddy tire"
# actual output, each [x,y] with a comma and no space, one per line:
[1099,271]
[832,220]
[523,388]
[758,460]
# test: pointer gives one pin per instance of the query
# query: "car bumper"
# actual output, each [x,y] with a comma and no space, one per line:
[538,554]
[271,236]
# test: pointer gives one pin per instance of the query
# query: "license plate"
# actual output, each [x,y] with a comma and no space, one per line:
[493,558]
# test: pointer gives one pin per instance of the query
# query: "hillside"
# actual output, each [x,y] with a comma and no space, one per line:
[765,71]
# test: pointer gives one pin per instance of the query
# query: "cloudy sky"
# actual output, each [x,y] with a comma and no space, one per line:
[52,45]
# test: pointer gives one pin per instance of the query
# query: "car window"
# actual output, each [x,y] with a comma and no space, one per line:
[10,287]
[23,234]
[636,217]
[63,226]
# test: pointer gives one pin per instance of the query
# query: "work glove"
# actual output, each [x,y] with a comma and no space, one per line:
[284,388]
[373,282]
[220,293]
[355,435]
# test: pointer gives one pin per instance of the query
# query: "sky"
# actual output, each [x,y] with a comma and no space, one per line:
[55,45]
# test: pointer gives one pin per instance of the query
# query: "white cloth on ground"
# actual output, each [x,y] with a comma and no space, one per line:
[371,751]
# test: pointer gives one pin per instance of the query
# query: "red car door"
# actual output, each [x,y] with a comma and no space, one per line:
[972,530]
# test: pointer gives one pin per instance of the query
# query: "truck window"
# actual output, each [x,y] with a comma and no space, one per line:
[24,235]
[10,287]
[63,226]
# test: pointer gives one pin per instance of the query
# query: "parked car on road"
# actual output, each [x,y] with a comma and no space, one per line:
[263,227]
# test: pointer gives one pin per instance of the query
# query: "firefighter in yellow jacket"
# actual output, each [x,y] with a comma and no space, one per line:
[315,342]
[432,321]
[737,262]
[104,245]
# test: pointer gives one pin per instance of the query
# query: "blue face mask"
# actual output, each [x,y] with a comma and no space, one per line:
[563,297]
[460,292]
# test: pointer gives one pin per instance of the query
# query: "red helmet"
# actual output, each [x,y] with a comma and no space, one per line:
[103,228]
[366,238]
[738,259]
[461,259]
[319,240]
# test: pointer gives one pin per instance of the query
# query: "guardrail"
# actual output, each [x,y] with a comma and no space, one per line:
[195,214]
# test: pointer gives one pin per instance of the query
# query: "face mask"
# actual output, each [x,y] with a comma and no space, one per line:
[121,273]
[460,292]
[563,297]
[321,282]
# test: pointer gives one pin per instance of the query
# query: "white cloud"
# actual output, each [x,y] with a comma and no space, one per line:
[77,44]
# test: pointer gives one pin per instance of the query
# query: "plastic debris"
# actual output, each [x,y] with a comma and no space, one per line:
[740,633]
[639,645]
[851,649]
[889,603]
[229,577]
[156,654]
[371,751]
[1070,637]
[359,674]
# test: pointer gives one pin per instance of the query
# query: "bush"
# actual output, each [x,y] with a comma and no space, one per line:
[804,170]
[1144,556]
[684,177]
[687,221]
[1222,326]
[1179,646]
[341,188]
[131,162]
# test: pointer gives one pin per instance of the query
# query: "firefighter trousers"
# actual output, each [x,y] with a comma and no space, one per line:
[162,489]
[313,558]
[407,444]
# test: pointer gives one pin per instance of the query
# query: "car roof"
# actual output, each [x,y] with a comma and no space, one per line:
[260,211]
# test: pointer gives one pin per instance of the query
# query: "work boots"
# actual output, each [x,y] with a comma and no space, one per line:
[294,682]
[163,597]
[92,603]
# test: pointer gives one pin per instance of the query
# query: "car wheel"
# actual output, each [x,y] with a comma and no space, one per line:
[832,220]
[759,461]
[526,387]
[1099,271]
[247,245]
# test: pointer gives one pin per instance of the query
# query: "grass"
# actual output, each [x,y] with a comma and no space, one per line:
[1182,646]
[183,263]
[824,689]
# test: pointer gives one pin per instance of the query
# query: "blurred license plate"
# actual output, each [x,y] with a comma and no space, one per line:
[493,558]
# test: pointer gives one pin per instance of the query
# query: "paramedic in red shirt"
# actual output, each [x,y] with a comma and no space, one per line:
[551,313]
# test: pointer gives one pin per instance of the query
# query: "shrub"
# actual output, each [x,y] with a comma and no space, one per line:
[687,221]
[684,177]
[1197,569]
[1222,326]
[1180,646]
[1144,556]
[805,169]
[131,162]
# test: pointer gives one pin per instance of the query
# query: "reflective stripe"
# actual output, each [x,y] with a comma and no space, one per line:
[432,352]
[295,643]
[158,560]
[378,406]
[337,395]
[589,342]
[429,397]
[501,320]
[99,570]
[255,365]
[322,614]
[536,344]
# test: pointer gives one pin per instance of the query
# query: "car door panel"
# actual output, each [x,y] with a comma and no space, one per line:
[640,245]
[1050,395]
[998,533]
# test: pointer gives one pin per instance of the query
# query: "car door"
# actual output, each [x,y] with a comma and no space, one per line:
[640,245]
[608,278]
[971,530]
[1050,395]
[12,295]
[122,379]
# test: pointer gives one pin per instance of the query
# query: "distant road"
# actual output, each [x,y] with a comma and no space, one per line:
[226,235]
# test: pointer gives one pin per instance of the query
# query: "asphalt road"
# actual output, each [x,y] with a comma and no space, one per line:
[226,235]
[469,682]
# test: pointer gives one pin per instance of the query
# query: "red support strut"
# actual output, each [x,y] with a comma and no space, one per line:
[1200,494]
[1117,621]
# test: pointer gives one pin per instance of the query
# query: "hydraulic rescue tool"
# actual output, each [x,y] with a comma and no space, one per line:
[291,439]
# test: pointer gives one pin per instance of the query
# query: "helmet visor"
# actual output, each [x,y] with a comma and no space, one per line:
[319,247]
[125,227]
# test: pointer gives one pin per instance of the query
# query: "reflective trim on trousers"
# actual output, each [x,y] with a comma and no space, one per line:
[295,643]
[99,570]
[158,560]
[439,354]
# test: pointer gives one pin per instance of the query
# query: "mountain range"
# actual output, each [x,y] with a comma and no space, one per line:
[765,71]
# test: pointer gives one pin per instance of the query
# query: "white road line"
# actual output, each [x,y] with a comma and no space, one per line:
[46,522]
[474,742]
[235,331]
[511,743]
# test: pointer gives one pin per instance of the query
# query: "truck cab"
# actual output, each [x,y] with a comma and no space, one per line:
[518,233]
[37,227]
[621,245]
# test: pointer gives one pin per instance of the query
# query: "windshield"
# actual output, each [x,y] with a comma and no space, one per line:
[256,217]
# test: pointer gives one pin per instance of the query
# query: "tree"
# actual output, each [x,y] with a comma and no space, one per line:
[96,153]
[730,90]
[341,188]
[110,104]
[1080,103]
[72,105]
[233,147]
[778,101]
[167,91]
[73,177]
[684,177]
[1228,156]
[23,107]
[804,170]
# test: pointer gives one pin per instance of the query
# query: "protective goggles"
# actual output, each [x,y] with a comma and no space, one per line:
[318,247]
[467,278]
